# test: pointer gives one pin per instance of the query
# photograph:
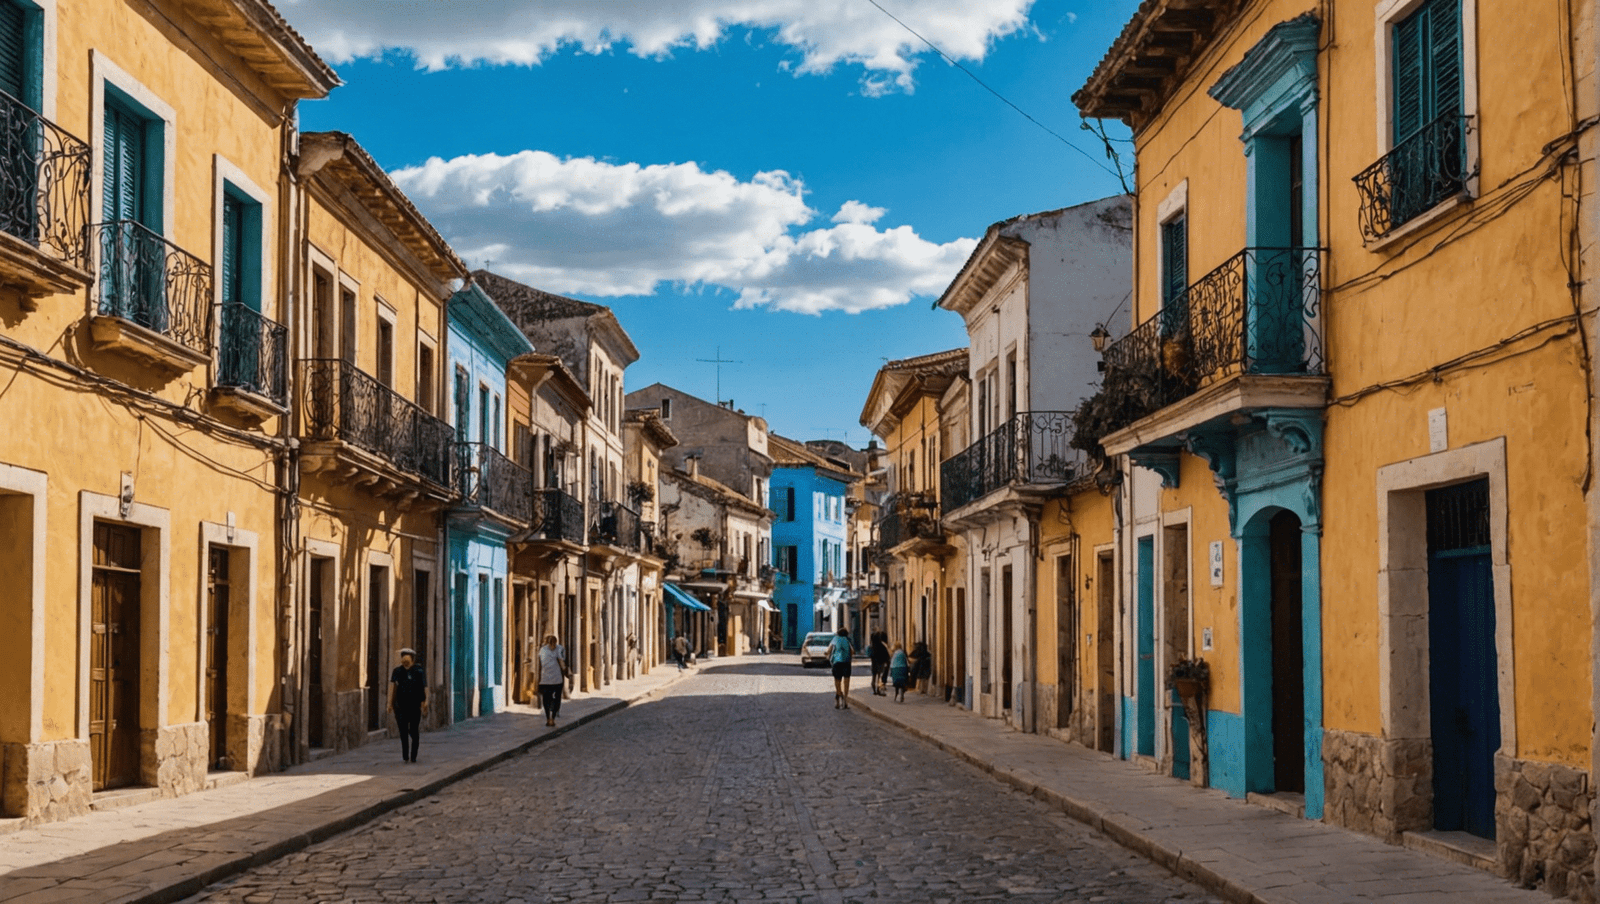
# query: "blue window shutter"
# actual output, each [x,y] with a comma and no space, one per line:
[232,246]
[1409,60]
[124,164]
[1174,258]
[1444,57]
[13,50]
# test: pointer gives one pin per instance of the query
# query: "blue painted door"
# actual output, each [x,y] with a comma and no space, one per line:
[1180,737]
[1463,684]
[461,654]
[1145,632]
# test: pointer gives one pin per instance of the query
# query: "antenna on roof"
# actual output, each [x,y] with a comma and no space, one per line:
[719,361]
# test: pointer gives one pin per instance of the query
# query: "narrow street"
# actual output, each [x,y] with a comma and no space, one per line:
[740,784]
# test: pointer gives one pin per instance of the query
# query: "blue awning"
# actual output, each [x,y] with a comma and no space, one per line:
[677,595]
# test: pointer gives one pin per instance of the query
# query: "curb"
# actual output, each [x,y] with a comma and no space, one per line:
[1106,824]
[193,885]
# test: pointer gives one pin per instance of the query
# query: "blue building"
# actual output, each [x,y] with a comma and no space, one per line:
[808,538]
[496,500]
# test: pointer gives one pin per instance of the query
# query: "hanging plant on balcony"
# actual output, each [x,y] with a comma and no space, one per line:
[640,492]
[705,536]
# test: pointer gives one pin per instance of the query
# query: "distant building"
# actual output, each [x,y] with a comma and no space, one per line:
[809,535]
[730,446]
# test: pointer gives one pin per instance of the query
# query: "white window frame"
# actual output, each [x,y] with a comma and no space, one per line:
[1388,13]
[102,72]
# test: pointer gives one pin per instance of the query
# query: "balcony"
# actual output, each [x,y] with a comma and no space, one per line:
[617,526]
[1031,450]
[44,204]
[252,363]
[490,482]
[363,431]
[155,298]
[1422,172]
[911,520]
[1246,335]
[556,518]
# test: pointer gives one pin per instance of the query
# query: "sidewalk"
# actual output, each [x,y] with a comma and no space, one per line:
[166,850]
[1238,851]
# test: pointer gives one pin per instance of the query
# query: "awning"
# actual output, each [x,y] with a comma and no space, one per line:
[766,604]
[676,594]
[829,600]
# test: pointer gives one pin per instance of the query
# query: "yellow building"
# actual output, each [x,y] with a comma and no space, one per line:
[924,596]
[644,436]
[140,325]
[374,455]
[1356,297]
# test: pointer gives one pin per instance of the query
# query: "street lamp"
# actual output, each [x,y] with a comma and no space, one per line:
[1099,337]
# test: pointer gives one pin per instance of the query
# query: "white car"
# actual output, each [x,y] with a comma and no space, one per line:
[814,649]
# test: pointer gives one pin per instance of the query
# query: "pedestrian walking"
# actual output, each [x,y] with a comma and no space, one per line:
[840,653]
[680,650]
[878,650]
[899,672]
[552,678]
[408,700]
[921,666]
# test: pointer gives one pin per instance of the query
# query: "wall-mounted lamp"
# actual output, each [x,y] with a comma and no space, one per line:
[1099,337]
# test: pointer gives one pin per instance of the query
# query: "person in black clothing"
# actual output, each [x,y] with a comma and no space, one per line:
[921,665]
[408,700]
[878,651]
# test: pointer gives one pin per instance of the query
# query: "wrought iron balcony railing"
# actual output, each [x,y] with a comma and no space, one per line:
[147,280]
[557,516]
[1421,172]
[253,353]
[1032,447]
[1258,313]
[615,525]
[44,183]
[488,480]
[909,516]
[343,403]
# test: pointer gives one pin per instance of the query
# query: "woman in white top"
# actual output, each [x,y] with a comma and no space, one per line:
[552,678]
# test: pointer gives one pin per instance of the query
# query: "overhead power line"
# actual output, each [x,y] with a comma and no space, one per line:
[1110,151]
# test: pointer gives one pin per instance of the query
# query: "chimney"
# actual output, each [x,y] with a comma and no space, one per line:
[692,464]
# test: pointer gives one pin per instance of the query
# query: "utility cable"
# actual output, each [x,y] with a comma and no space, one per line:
[1111,152]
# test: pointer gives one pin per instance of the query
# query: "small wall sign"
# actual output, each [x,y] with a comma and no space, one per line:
[1216,563]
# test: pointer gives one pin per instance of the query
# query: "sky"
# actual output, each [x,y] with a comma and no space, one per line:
[785,185]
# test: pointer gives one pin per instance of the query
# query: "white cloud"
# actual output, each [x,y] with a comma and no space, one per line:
[856,212]
[824,33]
[591,227]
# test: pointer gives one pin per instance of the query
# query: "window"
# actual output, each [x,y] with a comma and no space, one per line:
[788,504]
[1011,384]
[1428,164]
[1174,259]
[240,270]
[666,409]
[789,561]
[498,427]
[347,324]
[463,404]
[20,51]
[425,378]
[483,414]
[385,351]
[131,198]
[324,328]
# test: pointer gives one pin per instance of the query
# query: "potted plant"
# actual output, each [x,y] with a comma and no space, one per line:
[1189,677]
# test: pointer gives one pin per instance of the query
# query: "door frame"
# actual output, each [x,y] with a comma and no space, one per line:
[1403,675]
[242,546]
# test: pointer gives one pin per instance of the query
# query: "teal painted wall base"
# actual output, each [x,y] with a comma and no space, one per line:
[1128,717]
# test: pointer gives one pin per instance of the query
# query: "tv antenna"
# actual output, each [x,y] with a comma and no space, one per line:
[719,361]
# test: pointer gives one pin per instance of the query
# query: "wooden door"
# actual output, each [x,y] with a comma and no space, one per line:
[1288,656]
[377,584]
[217,601]
[314,648]
[114,657]
[1106,652]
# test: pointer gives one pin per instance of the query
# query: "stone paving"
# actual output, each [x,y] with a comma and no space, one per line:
[743,784]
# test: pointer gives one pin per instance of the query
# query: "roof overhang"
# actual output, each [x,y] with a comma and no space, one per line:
[536,369]
[1151,57]
[261,37]
[990,261]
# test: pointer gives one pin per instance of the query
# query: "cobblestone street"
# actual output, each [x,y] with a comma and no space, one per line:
[740,784]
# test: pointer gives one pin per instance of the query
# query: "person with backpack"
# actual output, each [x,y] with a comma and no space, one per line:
[840,653]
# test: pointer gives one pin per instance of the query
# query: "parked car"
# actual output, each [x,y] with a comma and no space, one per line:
[814,649]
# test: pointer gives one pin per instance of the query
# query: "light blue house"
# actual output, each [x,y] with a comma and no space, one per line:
[496,500]
[808,539]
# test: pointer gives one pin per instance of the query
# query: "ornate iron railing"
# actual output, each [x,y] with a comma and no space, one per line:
[343,403]
[1422,171]
[557,516]
[1032,447]
[615,525]
[44,183]
[909,516]
[252,353]
[486,479]
[148,280]
[1258,313]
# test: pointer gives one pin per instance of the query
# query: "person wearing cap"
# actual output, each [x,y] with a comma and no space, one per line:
[408,700]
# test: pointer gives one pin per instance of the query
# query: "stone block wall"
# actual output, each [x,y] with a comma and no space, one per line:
[1544,827]
[174,758]
[1377,786]
[46,782]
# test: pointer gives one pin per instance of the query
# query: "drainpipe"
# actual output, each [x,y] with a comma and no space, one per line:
[1030,658]
[292,641]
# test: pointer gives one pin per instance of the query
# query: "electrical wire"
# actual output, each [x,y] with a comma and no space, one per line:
[1110,152]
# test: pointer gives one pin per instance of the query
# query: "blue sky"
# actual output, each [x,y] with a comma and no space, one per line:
[791,181]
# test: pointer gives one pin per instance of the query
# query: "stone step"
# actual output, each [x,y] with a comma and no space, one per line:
[7,826]
[1284,802]
[123,797]
[224,779]
[1459,847]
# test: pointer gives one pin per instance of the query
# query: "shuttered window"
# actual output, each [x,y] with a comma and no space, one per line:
[125,165]
[14,50]
[1427,67]
[232,249]
[1174,258]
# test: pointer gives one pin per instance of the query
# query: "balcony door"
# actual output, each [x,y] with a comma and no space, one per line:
[19,140]
[131,265]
